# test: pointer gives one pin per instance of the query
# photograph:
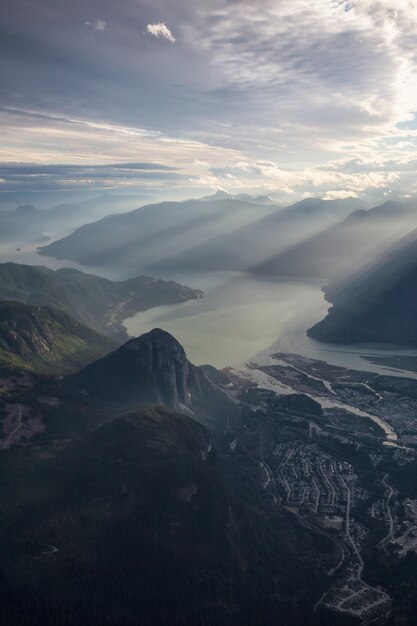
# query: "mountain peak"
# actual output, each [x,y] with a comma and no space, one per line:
[157,339]
[26,210]
[154,335]
[148,370]
[220,194]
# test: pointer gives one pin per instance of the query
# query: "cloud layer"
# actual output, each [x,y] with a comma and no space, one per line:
[287,96]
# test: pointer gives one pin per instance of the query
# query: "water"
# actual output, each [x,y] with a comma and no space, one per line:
[242,316]
[245,317]
[26,254]
[238,317]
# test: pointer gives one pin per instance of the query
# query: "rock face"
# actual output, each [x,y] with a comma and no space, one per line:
[44,338]
[152,369]
[164,360]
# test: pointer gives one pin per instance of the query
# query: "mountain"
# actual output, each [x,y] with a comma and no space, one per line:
[250,244]
[151,516]
[220,194]
[74,214]
[149,370]
[26,223]
[152,233]
[256,199]
[244,197]
[97,302]
[376,305]
[138,522]
[350,244]
[46,340]
[22,224]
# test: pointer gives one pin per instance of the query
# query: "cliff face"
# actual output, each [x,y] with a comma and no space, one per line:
[164,361]
[152,369]
[44,338]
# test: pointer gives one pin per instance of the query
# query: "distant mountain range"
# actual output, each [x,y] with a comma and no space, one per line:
[26,223]
[249,244]
[96,302]
[154,233]
[347,245]
[244,197]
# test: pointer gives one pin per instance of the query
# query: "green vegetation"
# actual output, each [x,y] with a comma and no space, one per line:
[137,522]
[96,302]
[43,339]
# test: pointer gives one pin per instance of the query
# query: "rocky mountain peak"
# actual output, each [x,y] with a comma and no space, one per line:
[149,370]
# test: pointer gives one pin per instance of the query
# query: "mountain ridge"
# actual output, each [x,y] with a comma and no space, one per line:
[94,301]
[44,339]
[377,304]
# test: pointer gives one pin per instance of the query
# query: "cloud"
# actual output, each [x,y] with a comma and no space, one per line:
[161,30]
[299,97]
[339,194]
[98,24]
[48,177]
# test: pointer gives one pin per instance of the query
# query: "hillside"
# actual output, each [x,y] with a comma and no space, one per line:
[26,223]
[377,305]
[250,244]
[149,370]
[44,339]
[97,302]
[341,248]
[155,232]
[145,502]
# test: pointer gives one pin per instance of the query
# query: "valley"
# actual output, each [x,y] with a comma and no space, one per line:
[289,458]
[208,313]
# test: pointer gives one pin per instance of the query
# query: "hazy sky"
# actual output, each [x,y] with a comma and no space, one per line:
[289,97]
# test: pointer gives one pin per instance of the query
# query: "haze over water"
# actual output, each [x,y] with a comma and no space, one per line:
[243,316]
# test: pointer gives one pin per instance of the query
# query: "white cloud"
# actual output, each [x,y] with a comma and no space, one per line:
[97,25]
[161,30]
[339,194]
[100,25]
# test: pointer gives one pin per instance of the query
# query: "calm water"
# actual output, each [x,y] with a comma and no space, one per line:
[243,317]
[238,317]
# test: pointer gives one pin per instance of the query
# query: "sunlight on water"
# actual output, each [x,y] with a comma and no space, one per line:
[239,316]
[244,317]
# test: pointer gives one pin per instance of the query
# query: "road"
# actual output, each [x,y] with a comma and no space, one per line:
[9,439]
[358,575]
[389,513]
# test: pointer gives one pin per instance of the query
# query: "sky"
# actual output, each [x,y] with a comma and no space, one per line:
[292,98]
